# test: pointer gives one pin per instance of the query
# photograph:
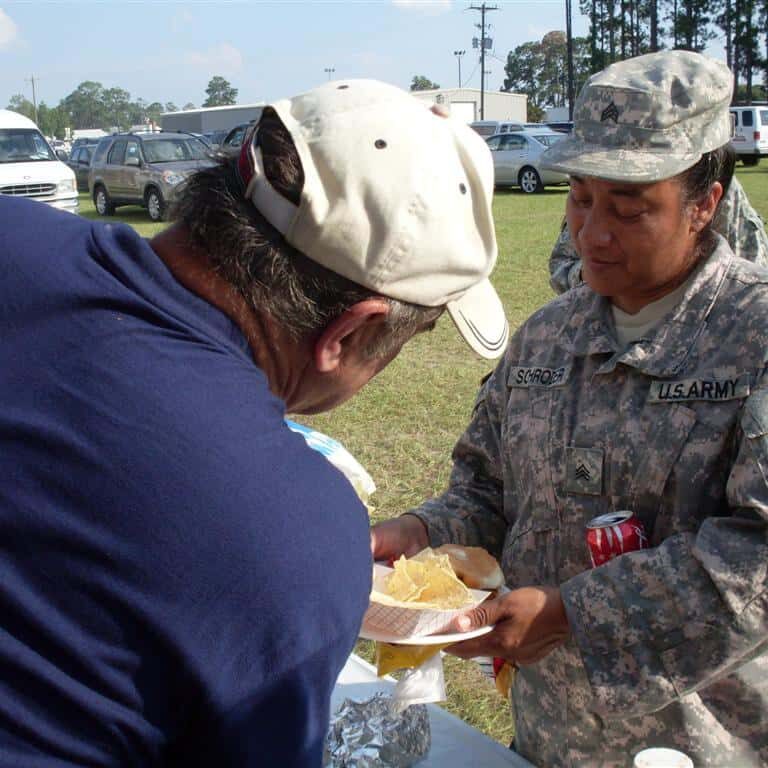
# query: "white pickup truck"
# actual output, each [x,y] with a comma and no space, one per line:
[30,168]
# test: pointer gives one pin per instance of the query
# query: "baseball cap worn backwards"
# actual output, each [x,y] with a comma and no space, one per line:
[396,198]
[647,119]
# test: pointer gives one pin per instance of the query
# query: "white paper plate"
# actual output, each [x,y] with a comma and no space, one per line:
[410,620]
[456,637]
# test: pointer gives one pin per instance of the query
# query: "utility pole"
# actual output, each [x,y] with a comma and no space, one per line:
[569,54]
[34,96]
[483,8]
[458,55]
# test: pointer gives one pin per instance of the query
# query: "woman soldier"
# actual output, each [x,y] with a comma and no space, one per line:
[736,220]
[644,389]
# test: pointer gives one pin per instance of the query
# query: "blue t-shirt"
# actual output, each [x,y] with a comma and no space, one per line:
[181,577]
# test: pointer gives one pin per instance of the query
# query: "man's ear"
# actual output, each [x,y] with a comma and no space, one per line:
[359,322]
[705,209]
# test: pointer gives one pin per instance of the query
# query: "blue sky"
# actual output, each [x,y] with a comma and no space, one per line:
[168,51]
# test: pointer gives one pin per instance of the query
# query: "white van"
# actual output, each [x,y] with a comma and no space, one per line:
[30,168]
[750,133]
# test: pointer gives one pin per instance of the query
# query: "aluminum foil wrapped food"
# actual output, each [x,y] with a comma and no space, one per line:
[377,733]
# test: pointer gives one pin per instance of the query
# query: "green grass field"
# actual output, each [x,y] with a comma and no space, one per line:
[403,425]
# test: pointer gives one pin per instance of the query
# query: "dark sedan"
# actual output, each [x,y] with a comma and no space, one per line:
[80,162]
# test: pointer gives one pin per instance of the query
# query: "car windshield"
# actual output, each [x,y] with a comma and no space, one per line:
[173,150]
[23,145]
[548,139]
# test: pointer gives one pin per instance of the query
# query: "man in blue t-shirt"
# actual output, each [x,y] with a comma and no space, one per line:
[182,577]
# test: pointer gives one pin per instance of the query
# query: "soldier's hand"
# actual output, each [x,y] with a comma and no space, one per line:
[529,623]
[404,535]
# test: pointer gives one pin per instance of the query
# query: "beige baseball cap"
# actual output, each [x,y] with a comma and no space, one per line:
[396,198]
[646,119]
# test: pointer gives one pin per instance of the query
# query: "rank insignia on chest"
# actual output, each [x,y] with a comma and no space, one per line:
[584,470]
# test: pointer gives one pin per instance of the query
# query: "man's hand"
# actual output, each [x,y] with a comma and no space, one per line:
[404,535]
[529,623]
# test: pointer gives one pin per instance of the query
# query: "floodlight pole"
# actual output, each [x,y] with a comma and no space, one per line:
[329,71]
[458,55]
[482,8]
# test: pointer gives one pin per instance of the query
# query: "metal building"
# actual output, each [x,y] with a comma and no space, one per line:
[465,103]
[210,118]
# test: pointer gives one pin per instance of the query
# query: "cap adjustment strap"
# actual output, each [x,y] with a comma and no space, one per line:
[275,208]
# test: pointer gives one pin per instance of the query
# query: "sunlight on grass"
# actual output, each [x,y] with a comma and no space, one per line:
[134,215]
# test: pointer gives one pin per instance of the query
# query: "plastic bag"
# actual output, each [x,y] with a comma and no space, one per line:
[423,679]
[340,457]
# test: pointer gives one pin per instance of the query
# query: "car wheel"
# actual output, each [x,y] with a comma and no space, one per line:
[750,160]
[104,206]
[155,205]
[529,180]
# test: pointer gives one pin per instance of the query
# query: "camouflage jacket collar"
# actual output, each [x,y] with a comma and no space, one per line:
[667,347]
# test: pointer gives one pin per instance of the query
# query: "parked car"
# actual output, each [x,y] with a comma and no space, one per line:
[80,162]
[544,135]
[564,126]
[750,132]
[30,168]
[516,159]
[215,138]
[231,143]
[61,149]
[85,142]
[144,169]
[491,127]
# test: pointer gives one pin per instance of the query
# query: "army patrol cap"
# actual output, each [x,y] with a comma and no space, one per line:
[396,198]
[647,119]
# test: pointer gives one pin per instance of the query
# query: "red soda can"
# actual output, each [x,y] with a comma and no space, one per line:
[611,535]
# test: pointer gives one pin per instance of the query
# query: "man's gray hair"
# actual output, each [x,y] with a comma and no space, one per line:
[269,274]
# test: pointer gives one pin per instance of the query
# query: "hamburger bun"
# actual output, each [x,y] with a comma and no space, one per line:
[477,568]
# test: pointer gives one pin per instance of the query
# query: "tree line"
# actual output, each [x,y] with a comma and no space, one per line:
[91,105]
[539,70]
[621,29]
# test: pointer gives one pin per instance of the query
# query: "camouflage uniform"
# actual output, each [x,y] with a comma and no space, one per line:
[736,220]
[669,646]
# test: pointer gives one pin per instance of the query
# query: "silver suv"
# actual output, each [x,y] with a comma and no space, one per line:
[143,169]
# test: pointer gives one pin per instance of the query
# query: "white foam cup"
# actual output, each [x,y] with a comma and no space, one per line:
[661,757]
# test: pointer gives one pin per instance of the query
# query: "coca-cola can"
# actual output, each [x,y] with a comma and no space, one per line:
[611,535]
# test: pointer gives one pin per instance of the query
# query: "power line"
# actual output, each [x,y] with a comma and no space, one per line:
[482,25]
[34,95]
[469,79]
[569,53]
